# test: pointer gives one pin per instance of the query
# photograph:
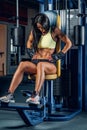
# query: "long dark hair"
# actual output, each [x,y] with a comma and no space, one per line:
[44,21]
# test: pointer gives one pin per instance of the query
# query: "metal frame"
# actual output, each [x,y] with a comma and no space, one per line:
[46,111]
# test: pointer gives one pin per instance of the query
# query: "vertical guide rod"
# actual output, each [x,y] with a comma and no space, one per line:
[17,25]
[80,57]
[17,13]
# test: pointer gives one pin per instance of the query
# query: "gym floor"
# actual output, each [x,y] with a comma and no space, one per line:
[12,120]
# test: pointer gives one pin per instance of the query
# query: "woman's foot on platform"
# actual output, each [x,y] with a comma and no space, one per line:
[8,98]
[34,99]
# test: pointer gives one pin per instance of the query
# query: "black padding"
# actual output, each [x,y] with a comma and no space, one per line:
[18,36]
[79,35]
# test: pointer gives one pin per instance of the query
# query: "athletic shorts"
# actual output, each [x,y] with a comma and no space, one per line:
[36,61]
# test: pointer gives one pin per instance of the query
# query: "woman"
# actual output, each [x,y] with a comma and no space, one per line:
[41,46]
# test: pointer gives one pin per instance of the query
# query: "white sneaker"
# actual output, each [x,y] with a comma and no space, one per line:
[33,100]
[7,98]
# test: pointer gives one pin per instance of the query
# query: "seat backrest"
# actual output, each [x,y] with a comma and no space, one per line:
[58,48]
[54,19]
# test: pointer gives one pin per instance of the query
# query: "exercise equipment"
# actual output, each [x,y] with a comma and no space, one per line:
[49,109]
[31,115]
[79,35]
[18,36]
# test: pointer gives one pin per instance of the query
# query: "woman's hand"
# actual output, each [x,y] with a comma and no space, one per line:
[58,56]
[37,56]
[30,52]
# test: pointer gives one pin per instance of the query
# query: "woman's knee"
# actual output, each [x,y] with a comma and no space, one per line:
[22,65]
[46,67]
[40,65]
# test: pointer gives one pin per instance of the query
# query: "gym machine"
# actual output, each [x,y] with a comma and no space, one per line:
[49,110]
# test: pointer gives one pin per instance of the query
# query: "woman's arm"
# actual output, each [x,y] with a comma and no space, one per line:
[29,48]
[65,39]
[30,40]
[67,46]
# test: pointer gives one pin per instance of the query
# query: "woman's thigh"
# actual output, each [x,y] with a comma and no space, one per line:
[28,67]
[49,68]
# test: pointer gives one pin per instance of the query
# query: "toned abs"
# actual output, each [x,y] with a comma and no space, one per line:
[43,53]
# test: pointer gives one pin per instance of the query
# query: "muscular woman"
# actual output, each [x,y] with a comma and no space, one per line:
[41,46]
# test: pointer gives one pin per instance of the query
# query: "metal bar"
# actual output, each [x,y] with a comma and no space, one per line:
[22,106]
[50,4]
[81,6]
[17,12]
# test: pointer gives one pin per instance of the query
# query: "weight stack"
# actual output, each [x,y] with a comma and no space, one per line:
[62,85]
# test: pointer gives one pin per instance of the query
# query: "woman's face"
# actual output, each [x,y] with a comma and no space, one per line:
[40,27]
